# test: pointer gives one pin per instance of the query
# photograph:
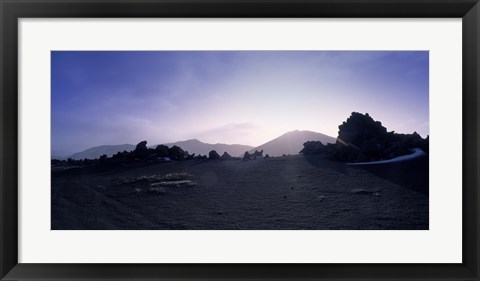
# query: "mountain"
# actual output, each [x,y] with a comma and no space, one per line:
[192,146]
[97,151]
[289,143]
[198,147]
[292,142]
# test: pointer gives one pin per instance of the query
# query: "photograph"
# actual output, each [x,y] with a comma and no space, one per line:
[239,140]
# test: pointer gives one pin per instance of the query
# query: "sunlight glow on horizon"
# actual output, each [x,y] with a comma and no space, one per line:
[233,97]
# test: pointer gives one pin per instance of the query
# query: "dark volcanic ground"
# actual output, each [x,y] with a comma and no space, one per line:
[293,192]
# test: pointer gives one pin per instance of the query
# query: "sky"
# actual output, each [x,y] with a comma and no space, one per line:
[233,97]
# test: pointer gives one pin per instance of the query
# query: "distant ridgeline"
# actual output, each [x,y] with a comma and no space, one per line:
[145,154]
[362,139]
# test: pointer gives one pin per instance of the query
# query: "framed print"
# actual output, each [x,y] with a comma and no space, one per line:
[239,140]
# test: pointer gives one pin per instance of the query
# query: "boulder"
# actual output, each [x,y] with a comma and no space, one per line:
[213,155]
[176,153]
[313,147]
[226,156]
[162,150]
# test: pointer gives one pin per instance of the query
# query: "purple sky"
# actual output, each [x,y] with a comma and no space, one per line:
[245,97]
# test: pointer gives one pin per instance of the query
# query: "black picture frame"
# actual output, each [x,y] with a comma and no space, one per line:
[12,10]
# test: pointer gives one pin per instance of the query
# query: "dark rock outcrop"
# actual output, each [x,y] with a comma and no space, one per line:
[162,150]
[362,139]
[200,157]
[360,130]
[176,153]
[213,155]
[253,156]
[226,156]
[313,147]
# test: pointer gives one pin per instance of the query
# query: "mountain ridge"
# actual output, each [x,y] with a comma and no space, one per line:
[292,142]
[289,143]
[198,147]
[192,146]
[97,151]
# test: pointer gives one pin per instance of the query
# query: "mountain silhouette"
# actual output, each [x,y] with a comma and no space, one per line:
[198,147]
[97,151]
[288,143]
[292,142]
